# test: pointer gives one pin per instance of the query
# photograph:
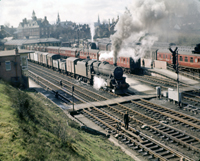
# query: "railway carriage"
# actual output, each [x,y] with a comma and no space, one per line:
[44,58]
[31,57]
[40,57]
[128,64]
[185,58]
[56,64]
[35,56]
[53,50]
[71,62]
[50,58]
[62,65]
[82,70]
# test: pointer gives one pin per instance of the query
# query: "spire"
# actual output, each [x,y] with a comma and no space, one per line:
[98,20]
[58,19]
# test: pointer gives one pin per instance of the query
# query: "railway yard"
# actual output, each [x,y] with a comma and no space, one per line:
[158,130]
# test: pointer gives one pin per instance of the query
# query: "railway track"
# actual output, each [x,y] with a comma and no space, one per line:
[136,140]
[79,90]
[142,143]
[164,83]
[63,94]
[184,71]
[164,112]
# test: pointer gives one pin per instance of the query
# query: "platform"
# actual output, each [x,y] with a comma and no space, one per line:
[173,75]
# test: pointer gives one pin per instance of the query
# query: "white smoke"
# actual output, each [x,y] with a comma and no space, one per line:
[105,55]
[137,51]
[98,82]
[133,25]
[92,30]
[145,20]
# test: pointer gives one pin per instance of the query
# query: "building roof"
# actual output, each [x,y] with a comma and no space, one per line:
[19,42]
[12,52]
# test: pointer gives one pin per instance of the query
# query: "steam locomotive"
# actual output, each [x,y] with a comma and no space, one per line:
[84,69]
[126,63]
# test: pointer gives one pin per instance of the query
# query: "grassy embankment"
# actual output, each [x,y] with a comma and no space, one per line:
[32,128]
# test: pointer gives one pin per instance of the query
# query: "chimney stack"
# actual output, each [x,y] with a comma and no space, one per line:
[16,51]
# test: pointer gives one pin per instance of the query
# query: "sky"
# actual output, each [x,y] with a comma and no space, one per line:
[79,11]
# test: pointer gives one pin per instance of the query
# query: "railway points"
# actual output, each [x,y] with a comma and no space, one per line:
[157,124]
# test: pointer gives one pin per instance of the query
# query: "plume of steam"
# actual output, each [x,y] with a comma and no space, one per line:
[145,20]
[105,55]
[98,82]
[141,17]
[92,30]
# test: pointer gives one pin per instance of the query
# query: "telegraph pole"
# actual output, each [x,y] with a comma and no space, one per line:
[177,71]
[175,66]
[73,97]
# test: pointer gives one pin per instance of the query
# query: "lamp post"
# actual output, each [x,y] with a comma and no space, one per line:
[73,97]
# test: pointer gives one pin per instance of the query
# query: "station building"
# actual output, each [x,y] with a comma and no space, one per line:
[30,43]
[14,67]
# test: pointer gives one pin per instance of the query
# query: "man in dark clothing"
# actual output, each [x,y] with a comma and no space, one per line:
[56,95]
[61,83]
[126,120]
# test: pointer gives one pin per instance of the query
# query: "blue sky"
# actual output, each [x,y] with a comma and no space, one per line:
[80,11]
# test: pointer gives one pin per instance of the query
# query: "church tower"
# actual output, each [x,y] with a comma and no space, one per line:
[58,19]
[33,15]
[99,20]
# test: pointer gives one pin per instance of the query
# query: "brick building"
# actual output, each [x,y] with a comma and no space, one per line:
[34,28]
[14,67]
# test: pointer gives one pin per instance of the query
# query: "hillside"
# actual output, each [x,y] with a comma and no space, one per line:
[32,128]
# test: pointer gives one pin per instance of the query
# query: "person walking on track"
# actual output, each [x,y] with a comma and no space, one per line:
[126,120]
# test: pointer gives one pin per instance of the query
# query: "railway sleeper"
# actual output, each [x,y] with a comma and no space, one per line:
[186,138]
[136,147]
[141,150]
[170,157]
[171,132]
[146,153]
[154,147]
[165,153]
[176,134]
[131,145]
[192,141]
[151,156]
[127,142]
[180,136]
[145,142]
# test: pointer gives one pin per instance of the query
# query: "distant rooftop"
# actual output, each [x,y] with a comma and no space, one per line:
[12,52]
[19,42]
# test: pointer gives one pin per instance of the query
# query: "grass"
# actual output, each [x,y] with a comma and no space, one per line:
[32,128]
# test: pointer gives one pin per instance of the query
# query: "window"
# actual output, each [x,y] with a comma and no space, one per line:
[170,57]
[195,60]
[8,65]
[181,58]
[163,56]
[191,59]
[166,56]
[198,60]
[186,59]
